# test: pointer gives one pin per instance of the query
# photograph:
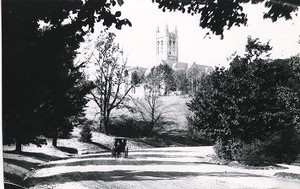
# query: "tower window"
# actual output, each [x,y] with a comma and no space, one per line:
[174,46]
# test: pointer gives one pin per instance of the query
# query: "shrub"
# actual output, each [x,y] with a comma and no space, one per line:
[281,147]
[85,133]
[226,150]
[222,150]
[284,146]
[128,127]
[255,154]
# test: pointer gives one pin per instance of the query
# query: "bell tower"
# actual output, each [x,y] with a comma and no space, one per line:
[166,45]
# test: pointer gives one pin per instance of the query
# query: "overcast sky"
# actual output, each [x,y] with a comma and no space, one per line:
[139,40]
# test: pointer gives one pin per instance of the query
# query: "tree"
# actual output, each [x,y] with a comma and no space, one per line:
[135,78]
[252,104]
[167,77]
[181,80]
[29,57]
[194,75]
[66,86]
[162,75]
[151,109]
[255,50]
[223,14]
[111,88]
[86,132]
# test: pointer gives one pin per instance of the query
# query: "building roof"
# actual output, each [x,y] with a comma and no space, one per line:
[140,70]
[184,66]
[202,68]
[180,66]
[168,62]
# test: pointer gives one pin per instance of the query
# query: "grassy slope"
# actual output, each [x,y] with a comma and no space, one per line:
[18,166]
[177,112]
[176,133]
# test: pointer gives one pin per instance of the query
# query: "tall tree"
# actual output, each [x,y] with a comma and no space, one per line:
[66,85]
[194,75]
[31,59]
[253,100]
[151,108]
[163,76]
[181,80]
[223,14]
[111,85]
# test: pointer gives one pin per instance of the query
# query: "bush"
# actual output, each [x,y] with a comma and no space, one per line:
[249,154]
[282,147]
[255,154]
[222,150]
[128,127]
[86,133]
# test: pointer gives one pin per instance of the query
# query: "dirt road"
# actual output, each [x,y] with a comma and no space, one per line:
[159,168]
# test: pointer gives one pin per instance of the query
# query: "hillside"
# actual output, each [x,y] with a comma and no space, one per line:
[178,112]
[19,166]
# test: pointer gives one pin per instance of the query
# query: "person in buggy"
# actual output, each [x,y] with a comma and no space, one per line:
[119,148]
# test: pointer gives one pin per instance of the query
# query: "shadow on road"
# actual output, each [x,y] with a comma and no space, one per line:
[101,146]
[21,163]
[85,162]
[126,176]
[35,155]
[67,149]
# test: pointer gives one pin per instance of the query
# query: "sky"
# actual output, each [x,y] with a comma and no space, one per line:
[138,41]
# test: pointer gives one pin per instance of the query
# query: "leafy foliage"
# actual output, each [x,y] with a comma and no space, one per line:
[111,83]
[86,132]
[42,88]
[220,15]
[150,108]
[253,100]
[181,81]
[128,127]
[161,77]
[135,78]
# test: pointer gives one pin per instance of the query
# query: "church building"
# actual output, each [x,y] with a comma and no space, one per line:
[167,51]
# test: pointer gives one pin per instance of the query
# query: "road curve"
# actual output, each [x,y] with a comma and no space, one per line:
[157,168]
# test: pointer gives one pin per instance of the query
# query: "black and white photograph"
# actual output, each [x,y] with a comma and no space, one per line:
[150,94]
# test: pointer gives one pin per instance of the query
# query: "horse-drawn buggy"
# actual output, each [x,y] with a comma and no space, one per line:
[120,148]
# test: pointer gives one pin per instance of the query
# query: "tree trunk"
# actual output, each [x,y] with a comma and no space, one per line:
[54,139]
[18,146]
[105,122]
[106,127]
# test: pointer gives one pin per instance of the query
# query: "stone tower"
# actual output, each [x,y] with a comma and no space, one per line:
[167,45]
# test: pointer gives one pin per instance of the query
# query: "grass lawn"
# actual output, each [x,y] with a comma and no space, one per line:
[19,166]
